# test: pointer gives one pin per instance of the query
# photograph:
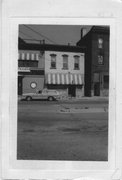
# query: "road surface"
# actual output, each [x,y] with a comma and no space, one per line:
[72,130]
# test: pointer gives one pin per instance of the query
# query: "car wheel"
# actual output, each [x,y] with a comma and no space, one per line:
[50,98]
[28,98]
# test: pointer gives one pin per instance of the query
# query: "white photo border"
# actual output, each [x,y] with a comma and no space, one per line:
[52,169]
[18,169]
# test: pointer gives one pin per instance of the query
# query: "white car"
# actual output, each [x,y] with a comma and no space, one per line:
[42,94]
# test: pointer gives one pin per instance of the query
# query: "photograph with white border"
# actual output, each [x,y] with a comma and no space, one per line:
[21,72]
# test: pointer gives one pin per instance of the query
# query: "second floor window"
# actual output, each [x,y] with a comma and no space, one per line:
[65,61]
[76,62]
[100,43]
[53,61]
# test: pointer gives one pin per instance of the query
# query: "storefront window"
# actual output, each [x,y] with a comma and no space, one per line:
[53,61]
[76,62]
[27,63]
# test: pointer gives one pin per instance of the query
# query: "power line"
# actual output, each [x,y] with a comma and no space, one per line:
[40,34]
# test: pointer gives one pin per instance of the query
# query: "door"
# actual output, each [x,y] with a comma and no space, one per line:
[72,90]
[20,85]
[97,89]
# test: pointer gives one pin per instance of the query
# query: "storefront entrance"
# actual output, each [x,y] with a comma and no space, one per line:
[97,89]
[72,90]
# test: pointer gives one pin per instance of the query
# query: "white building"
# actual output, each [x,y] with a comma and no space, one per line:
[64,71]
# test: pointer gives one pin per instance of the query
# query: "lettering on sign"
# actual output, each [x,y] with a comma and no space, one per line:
[25,69]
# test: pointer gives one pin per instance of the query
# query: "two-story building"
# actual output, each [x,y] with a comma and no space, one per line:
[64,70]
[58,67]
[96,42]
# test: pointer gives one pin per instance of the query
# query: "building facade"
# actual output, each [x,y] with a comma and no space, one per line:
[51,66]
[96,42]
[30,71]
[64,71]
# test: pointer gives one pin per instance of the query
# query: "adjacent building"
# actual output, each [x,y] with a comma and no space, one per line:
[48,66]
[96,69]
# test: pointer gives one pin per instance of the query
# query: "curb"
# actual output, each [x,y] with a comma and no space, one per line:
[72,110]
[78,99]
[84,110]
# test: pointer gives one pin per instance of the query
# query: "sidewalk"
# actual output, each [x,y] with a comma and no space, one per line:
[93,98]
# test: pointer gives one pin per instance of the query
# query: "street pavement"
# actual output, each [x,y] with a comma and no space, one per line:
[63,130]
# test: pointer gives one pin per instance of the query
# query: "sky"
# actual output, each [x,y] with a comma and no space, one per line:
[52,34]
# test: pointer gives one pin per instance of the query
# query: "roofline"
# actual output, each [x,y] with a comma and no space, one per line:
[51,47]
[95,29]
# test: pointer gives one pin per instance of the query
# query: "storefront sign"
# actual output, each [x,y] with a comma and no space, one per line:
[23,69]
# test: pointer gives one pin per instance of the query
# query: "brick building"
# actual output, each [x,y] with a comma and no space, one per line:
[96,42]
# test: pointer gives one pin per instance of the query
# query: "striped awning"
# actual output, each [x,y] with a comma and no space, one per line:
[53,78]
[28,56]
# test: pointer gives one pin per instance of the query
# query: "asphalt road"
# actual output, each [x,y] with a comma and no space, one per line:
[71,130]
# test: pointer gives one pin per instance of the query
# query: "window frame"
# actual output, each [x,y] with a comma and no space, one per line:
[53,61]
[99,59]
[76,62]
[100,44]
[65,57]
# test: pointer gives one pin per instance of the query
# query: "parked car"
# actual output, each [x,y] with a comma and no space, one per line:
[42,94]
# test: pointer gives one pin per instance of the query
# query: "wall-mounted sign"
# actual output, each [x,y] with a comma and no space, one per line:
[23,69]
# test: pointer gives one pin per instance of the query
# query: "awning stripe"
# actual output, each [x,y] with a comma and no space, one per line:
[67,79]
[53,78]
[28,56]
[23,56]
[62,79]
[71,78]
[76,82]
[58,79]
[80,79]
[49,79]
[32,56]
[37,57]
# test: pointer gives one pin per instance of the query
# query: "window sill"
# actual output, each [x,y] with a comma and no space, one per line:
[52,68]
[64,68]
[76,68]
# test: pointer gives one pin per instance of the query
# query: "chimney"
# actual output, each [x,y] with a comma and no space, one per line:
[43,41]
[68,44]
[83,32]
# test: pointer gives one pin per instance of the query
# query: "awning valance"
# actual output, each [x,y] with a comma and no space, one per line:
[69,78]
[28,56]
